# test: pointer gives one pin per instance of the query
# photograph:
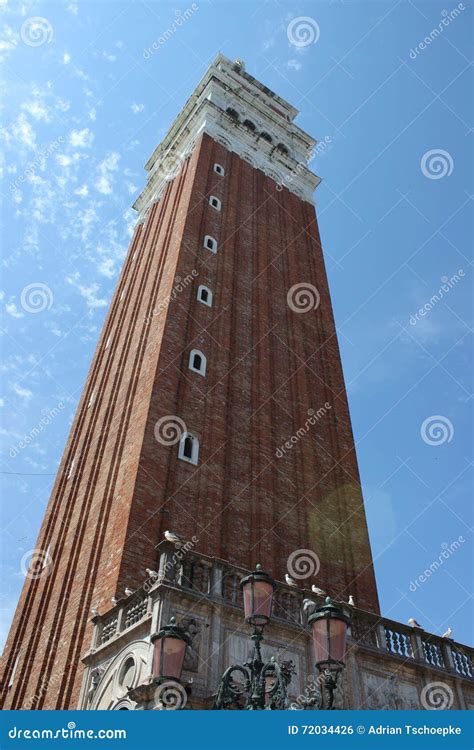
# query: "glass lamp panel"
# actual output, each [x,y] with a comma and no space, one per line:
[247,592]
[338,630]
[168,657]
[262,602]
[320,640]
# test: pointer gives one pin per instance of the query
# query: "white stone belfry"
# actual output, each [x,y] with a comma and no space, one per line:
[244,116]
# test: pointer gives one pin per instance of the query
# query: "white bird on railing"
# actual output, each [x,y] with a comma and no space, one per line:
[128,592]
[414,623]
[151,573]
[290,581]
[309,606]
[448,633]
[318,591]
[351,601]
[175,539]
[94,611]
[114,600]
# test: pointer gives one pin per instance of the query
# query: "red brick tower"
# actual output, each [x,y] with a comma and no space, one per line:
[215,405]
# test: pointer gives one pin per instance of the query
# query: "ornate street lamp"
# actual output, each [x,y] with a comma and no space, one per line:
[169,652]
[329,628]
[256,685]
[163,689]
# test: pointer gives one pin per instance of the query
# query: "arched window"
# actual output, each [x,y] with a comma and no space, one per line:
[233,113]
[204,295]
[266,136]
[250,125]
[189,448]
[283,149]
[210,243]
[197,362]
[219,170]
[215,202]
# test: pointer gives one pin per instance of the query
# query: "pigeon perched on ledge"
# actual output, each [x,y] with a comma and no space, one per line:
[318,591]
[290,581]
[309,606]
[128,592]
[175,539]
[414,623]
[448,633]
[351,601]
[151,573]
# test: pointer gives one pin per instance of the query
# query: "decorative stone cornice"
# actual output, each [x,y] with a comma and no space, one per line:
[227,87]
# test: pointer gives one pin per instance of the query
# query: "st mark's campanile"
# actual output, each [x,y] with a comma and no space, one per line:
[215,404]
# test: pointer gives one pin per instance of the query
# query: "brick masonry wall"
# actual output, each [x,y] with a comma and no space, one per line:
[266,366]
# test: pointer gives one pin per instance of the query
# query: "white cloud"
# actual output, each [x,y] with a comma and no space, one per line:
[37,109]
[84,190]
[12,310]
[109,57]
[294,65]
[63,160]
[105,169]
[82,138]
[136,108]
[24,131]
[107,268]
[21,392]
[89,293]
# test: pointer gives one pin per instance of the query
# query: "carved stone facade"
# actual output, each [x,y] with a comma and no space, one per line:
[390,666]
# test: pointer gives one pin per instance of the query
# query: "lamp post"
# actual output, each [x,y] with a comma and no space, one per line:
[329,629]
[256,685]
[169,650]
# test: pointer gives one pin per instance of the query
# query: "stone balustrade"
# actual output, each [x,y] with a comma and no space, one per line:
[215,580]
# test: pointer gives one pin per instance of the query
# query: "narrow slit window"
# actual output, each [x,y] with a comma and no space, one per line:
[197,362]
[210,243]
[189,448]
[215,202]
[219,169]
[204,295]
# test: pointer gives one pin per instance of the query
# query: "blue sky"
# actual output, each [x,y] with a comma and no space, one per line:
[84,107]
